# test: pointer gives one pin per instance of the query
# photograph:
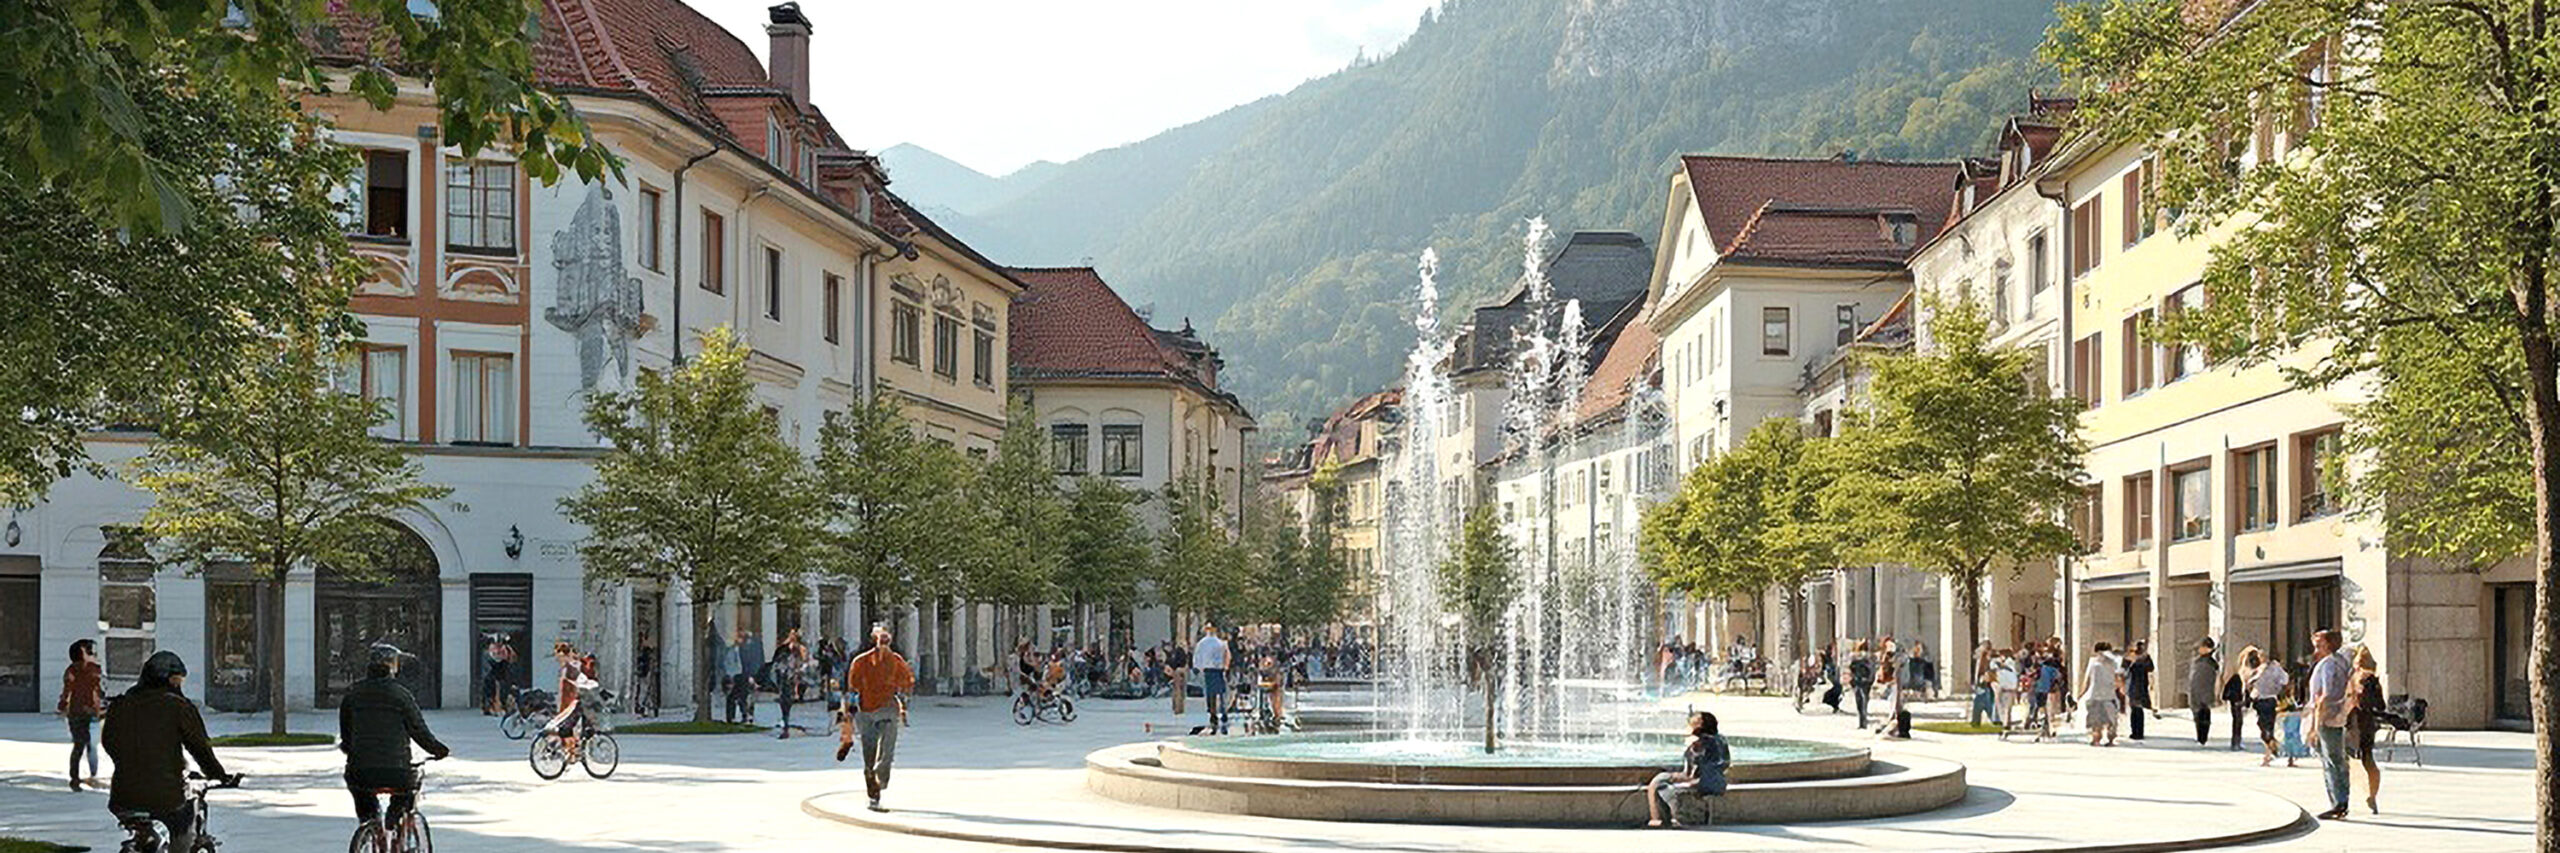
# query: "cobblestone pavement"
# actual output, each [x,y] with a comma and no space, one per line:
[965,757]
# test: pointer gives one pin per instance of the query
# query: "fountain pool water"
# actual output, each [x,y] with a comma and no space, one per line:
[1656,751]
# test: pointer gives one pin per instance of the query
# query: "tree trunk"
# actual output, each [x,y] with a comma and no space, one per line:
[274,631]
[704,664]
[1484,670]
[2542,358]
[1972,633]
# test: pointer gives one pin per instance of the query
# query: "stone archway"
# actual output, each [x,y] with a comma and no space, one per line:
[394,598]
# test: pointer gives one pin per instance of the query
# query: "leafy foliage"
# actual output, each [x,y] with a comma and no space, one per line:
[699,488]
[1479,582]
[1747,521]
[1108,549]
[1022,531]
[1199,568]
[1299,581]
[76,78]
[1962,464]
[898,506]
[2408,243]
[104,323]
[273,469]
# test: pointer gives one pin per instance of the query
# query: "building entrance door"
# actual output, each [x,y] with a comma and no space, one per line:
[236,622]
[2309,606]
[2512,674]
[21,585]
[502,610]
[649,648]
[395,600]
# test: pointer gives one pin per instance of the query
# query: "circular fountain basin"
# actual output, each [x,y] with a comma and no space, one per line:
[1452,760]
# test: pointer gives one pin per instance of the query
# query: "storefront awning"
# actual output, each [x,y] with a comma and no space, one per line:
[2111,583]
[2298,570]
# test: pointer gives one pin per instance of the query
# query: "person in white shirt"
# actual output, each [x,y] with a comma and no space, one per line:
[1209,657]
[2004,684]
[2098,692]
[2266,680]
[2327,715]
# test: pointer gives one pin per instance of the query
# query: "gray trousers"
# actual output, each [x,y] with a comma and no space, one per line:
[878,732]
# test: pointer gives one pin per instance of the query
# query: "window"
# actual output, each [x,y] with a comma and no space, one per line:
[385,212]
[831,299]
[2134,227]
[1775,331]
[715,253]
[484,398]
[1845,321]
[2084,236]
[2087,517]
[772,283]
[982,358]
[2140,367]
[2038,263]
[1902,230]
[2180,360]
[652,230]
[1122,450]
[777,148]
[946,346]
[1067,451]
[128,602]
[480,206]
[905,332]
[2312,454]
[2139,497]
[379,374]
[2254,496]
[2000,291]
[2086,354]
[2191,503]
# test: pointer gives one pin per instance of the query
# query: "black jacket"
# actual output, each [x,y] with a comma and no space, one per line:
[147,729]
[377,720]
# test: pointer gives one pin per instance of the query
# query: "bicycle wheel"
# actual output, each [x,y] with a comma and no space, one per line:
[550,757]
[601,755]
[1066,710]
[1022,709]
[368,839]
[414,836]
[514,725]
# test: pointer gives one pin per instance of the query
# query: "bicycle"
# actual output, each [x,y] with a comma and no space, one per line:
[409,836]
[1029,705]
[529,710]
[597,751]
[143,833]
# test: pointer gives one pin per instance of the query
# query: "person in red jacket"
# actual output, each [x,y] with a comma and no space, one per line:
[84,696]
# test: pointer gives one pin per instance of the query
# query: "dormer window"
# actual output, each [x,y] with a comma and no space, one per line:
[1902,229]
[774,144]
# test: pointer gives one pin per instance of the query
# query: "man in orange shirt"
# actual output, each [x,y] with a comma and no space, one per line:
[879,679]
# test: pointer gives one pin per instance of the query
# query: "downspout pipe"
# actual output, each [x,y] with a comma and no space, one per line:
[675,326]
[2061,198]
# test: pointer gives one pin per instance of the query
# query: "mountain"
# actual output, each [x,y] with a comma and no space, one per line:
[1288,228]
[957,188]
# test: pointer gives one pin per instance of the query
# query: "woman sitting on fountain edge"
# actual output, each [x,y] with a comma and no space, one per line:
[1702,766]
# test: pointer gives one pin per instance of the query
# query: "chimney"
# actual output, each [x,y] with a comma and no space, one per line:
[789,58]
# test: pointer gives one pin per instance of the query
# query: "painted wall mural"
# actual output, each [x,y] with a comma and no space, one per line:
[596,301]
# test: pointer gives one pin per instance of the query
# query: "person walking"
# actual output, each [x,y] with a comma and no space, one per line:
[790,676]
[1211,656]
[1177,669]
[1862,677]
[880,680]
[84,697]
[1702,768]
[2235,698]
[751,670]
[2267,680]
[377,720]
[2137,684]
[2099,693]
[1830,665]
[2204,687]
[151,731]
[494,658]
[2366,697]
[2004,685]
[724,657]
[2327,714]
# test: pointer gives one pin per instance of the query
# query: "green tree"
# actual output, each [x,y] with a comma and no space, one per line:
[1297,582]
[698,488]
[1319,590]
[103,322]
[2408,243]
[1107,548]
[275,469]
[1478,583]
[1748,520]
[898,506]
[1021,522]
[1961,464]
[78,77]
[1198,569]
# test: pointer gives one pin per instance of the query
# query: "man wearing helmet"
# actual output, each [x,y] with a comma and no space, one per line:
[150,730]
[376,723]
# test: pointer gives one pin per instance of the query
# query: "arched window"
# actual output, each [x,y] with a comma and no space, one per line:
[128,603]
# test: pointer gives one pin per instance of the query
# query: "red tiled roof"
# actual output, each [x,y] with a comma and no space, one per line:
[1340,439]
[1630,360]
[1796,205]
[1068,321]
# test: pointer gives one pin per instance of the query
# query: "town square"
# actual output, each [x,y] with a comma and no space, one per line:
[1414,425]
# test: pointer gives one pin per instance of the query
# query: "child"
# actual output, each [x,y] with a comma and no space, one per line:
[1702,766]
[2291,718]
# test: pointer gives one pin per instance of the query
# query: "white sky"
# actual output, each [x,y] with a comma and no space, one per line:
[997,84]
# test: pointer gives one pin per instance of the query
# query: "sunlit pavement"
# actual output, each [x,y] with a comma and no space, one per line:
[966,757]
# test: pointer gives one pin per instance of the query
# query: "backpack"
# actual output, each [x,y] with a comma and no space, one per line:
[1862,672]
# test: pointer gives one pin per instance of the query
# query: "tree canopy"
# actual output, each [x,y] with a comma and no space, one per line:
[1748,520]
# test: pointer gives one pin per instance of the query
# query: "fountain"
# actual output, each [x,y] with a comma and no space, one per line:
[1577,738]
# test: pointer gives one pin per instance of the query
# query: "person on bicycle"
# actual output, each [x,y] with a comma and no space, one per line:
[377,720]
[575,680]
[1028,671]
[151,730]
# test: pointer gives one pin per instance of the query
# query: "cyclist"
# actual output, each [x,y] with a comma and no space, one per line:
[151,729]
[576,677]
[1028,671]
[377,721]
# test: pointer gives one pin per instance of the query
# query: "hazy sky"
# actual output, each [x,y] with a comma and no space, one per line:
[997,84]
